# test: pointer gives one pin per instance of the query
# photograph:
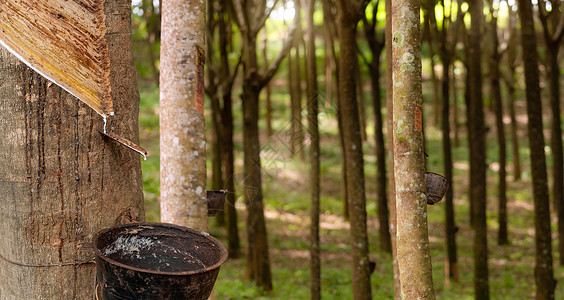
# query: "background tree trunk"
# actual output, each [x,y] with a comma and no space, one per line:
[477,142]
[376,47]
[510,82]
[544,278]
[500,130]
[59,173]
[314,181]
[347,20]
[414,257]
[228,159]
[390,142]
[268,90]
[552,40]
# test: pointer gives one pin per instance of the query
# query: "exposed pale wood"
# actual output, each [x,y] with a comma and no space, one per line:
[65,41]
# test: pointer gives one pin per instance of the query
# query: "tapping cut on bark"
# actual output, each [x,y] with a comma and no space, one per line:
[65,42]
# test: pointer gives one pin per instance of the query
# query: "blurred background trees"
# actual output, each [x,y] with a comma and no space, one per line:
[285,76]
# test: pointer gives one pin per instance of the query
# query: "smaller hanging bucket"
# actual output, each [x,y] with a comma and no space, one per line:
[156,261]
[216,201]
[437,186]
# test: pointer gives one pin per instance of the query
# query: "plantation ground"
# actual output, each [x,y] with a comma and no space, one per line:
[287,211]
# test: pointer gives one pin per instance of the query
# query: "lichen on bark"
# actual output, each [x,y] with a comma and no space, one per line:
[183,163]
[413,252]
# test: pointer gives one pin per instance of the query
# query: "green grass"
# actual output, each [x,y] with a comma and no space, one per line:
[287,205]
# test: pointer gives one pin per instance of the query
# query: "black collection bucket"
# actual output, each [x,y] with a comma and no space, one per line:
[156,261]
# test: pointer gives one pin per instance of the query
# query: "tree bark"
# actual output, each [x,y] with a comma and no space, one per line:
[376,47]
[552,40]
[228,158]
[510,82]
[477,142]
[544,277]
[556,143]
[498,107]
[413,251]
[347,20]
[455,130]
[446,48]
[390,142]
[330,33]
[182,123]
[213,86]
[451,268]
[268,91]
[296,79]
[59,173]
[314,181]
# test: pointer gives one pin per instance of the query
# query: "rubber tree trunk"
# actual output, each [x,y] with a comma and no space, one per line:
[495,77]
[510,82]
[451,269]
[268,90]
[390,142]
[347,20]
[314,181]
[446,50]
[544,277]
[296,87]
[477,142]
[556,143]
[58,173]
[182,123]
[414,257]
[376,47]
[228,158]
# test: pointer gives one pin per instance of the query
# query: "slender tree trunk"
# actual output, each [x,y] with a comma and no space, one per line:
[150,39]
[390,142]
[330,42]
[514,136]
[226,134]
[258,264]
[376,47]
[455,110]
[450,228]
[297,126]
[511,60]
[314,181]
[292,91]
[468,101]
[556,143]
[361,104]
[498,106]
[435,82]
[217,153]
[58,173]
[382,199]
[268,91]
[347,28]
[477,141]
[544,277]
[414,257]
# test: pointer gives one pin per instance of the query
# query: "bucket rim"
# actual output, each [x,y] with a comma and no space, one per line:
[222,249]
[437,174]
